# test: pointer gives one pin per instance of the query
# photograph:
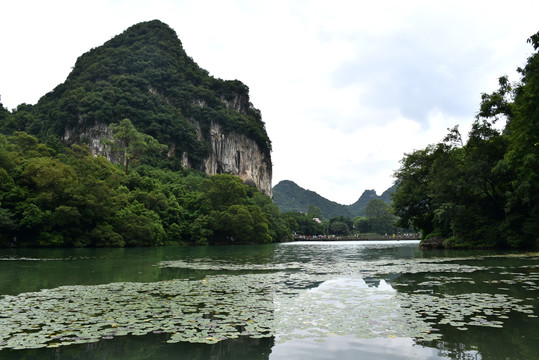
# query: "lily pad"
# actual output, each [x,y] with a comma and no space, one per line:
[285,299]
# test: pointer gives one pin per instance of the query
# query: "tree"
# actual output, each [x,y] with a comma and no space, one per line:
[4,114]
[6,225]
[340,225]
[223,190]
[379,217]
[49,177]
[201,231]
[412,199]
[301,224]
[139,226]
[338,228]
[522,157]
[104,235]
[361,224]
[314,212]
[132,143]
[484,193]
[27,145]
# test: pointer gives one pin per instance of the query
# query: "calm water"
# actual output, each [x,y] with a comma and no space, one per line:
[349,300]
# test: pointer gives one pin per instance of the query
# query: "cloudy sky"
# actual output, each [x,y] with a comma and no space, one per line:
[345,88]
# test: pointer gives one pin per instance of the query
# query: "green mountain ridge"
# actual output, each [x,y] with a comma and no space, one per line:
[144,74]
[289,196]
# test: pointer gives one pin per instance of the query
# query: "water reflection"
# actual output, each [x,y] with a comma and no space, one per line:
[330,300]
[155,347]
[353,348]
[150,347]
[347,307]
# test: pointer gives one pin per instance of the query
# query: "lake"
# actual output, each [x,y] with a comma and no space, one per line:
[301,300]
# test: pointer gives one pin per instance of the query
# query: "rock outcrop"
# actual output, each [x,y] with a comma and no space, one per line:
[145,75]
[239,155]
[433,243]
[230,153]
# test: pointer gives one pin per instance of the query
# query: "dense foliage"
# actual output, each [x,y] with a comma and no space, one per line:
[145,75]
[51,196]
[379,220]
[485,192]
[303,224]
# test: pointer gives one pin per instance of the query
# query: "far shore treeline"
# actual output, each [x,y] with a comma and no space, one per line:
[483,192]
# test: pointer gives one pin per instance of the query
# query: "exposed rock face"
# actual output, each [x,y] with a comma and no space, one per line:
[231,153]
[237,154]
[433,243]
[93,137]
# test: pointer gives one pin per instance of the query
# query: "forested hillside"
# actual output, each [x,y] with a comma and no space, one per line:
[144,75]
[142,102]
[291,197]
[52,195]
[485,192]
[358,208]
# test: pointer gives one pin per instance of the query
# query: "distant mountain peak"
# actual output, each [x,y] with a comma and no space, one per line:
[289,196]
[371,192]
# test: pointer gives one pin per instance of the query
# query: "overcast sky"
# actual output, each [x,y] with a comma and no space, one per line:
[345,88]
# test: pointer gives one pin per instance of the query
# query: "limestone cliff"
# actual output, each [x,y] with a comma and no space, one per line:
[237,154]
[145,75]
[231,153]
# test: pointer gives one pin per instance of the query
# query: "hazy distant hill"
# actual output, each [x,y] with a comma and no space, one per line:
[291,197]
[358,208]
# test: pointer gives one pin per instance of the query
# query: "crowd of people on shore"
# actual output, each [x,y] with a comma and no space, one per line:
[399,236]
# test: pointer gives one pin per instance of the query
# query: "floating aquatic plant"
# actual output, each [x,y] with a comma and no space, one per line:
[196,311]
[285,299]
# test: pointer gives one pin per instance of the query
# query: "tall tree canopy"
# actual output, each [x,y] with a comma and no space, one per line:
[484,193]
[71,198]
[131,143]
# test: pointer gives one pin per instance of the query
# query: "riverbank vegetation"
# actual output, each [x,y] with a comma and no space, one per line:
[378,220]
[483,192]
[153,106]
[51,195]
[55,195]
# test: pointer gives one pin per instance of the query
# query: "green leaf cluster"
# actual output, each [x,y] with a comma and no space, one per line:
[485,192]
[67,197]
